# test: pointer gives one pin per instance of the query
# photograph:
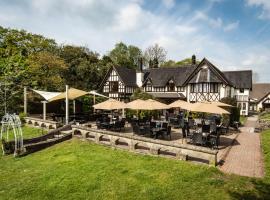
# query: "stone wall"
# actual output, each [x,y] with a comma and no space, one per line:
[147,145]
[48,124]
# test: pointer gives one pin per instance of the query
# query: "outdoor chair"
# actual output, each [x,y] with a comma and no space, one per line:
[214,140]
[153,124]
[136,129]
[225,127]
[213,127]
[164,125]
[167,132]
[147,131]
[197,138]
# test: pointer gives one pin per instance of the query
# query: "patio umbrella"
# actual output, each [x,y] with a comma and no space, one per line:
[181,104]
[73,93]
[221,104]
[207,107]
[137,104]
[110,104]
[156,105]
[149,104]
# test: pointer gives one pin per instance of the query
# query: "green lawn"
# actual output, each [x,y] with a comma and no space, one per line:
[243,119]
[29,132]
[81,170]
[265,116]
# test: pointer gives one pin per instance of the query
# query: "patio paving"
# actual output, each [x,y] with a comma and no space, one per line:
[245,155]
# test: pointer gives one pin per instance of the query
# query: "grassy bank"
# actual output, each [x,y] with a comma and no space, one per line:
[81,170]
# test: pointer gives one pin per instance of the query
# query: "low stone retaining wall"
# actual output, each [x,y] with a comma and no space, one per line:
[48,124]
[38,143]
[147,145]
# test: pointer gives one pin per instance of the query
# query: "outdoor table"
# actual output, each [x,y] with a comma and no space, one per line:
[156,131]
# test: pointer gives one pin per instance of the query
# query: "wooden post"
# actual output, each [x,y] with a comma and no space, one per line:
[44,109]
[67,102]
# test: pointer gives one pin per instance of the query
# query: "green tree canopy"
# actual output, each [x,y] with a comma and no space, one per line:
[125,55]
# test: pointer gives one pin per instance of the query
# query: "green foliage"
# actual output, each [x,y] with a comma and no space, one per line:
[22,115]
[235,111]
[184,62]
[126,56]
[139,94]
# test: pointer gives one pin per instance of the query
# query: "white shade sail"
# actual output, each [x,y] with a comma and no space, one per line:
[72,94]
[46,95]
[93,92]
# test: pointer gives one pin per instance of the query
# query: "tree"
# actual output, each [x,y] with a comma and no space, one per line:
[47,71]
[82,67]
[126,56]
[184,62]
[155,55]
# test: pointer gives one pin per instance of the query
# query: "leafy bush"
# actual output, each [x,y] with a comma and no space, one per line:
[235,111]
[22,115]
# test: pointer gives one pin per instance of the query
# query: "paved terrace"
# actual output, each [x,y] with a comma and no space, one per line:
[245,156]
[225,140]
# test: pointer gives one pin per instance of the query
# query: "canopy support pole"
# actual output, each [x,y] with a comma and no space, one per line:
[67,114]
[25,99]
[94,101]
[74,106]
[44,109]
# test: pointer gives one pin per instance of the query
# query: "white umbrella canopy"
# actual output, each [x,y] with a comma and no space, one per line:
[137,104]
[110,104]
[149,104]
[156,105]
[73,93]
[181,104]
[221,104]
[207,107]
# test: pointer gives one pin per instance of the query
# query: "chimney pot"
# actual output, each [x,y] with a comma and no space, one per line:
[193,60]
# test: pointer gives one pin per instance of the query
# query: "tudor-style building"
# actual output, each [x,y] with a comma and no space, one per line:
[260,97]
[193,83]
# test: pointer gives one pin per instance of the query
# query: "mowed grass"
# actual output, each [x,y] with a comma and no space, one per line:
[82,170]
[28,132]
[265,116]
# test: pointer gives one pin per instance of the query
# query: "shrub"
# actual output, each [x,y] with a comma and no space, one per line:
[235,111]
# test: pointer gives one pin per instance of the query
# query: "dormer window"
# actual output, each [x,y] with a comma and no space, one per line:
[171,86]
[241,90]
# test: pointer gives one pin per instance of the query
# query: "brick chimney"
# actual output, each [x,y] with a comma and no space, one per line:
[193,60]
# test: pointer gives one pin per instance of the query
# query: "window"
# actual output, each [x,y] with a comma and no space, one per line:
[180,89]
[114,86]
[214,87]
[148,87]
[244,106]
[241,90]
[171,87]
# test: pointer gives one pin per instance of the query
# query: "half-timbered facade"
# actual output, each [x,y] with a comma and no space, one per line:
[119,83]
[193,83]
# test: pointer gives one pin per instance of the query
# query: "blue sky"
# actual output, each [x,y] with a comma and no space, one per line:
[233,34]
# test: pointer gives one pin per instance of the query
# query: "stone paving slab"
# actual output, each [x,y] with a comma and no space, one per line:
[245,156]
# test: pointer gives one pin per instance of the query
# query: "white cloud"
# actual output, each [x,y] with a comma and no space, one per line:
[100,24]
[231,26]
[264,4]
[168,3]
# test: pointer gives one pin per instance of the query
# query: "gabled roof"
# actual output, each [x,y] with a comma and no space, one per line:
[212,74]
[240,79]
[126,75]
[160,76]
[259,91]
